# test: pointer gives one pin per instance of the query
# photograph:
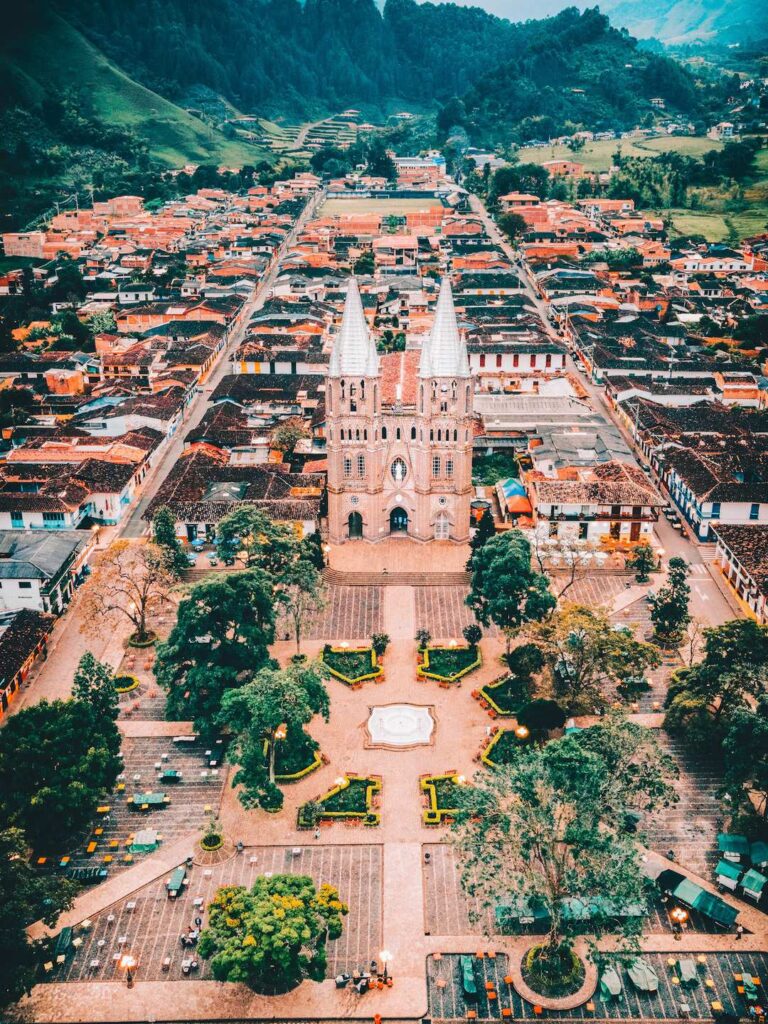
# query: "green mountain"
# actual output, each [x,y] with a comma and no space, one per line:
[42,55]
[685,21]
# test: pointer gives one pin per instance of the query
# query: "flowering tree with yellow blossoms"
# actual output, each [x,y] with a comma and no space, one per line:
[273,936]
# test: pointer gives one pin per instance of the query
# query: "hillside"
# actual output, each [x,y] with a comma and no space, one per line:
[685,21]
[42,55]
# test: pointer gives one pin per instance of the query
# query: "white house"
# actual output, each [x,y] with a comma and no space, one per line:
[39,570]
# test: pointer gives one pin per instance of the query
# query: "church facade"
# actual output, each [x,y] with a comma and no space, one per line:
[399,432]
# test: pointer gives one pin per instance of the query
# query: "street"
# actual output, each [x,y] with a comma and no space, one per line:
[710,601]
[133,525]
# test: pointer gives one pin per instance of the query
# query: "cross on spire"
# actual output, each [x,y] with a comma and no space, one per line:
[354,353]
[444,353]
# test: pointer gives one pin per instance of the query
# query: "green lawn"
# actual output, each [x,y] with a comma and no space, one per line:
[55,56]
[450,662]
[509,695]
[352,207]
[598,156]
[352,664]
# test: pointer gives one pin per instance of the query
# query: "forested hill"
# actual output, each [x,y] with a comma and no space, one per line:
[302,56]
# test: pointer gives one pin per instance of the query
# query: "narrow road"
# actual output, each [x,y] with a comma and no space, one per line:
[708,598]
[133,525]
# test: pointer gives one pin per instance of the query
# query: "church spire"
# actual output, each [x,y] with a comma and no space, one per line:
[354,353]
[444,353]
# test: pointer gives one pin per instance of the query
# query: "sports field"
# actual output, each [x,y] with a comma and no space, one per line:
[598,156]
[351,207]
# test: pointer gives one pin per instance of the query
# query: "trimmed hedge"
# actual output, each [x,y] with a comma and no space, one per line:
[502,749]
[353,799]
[447,664]
[295,760]
[441,792]
[125,683]
[352,665]
[507,697]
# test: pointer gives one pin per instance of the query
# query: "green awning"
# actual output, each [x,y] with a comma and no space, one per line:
[727,870]
[758,853]
[754,881]
[728,843]
[696,898]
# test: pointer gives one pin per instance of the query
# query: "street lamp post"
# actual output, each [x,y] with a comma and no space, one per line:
[128,963]
[385,956]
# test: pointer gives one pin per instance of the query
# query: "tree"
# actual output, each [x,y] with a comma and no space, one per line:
[585,655]
[272,936]
[273,707]
[505,589]
[102,322]
[643,561]
[512,225]
[365,264]
[222,635]
[301,594]
[423,636]
[380,643]
[640,775]
[745,749]
[287,435]
[539,833]
[669,605]
[734,670]
[130,581]
[27,897]
[94,684]
[311,550]
[164,529]
[472,634]
[540,717]
[260,541]
[486,528]
[56,761]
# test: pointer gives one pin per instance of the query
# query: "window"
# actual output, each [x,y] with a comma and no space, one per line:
[361,465]
[25,585]
[516,359]
[482,359]
[383,433]
[754,512]
[583,531]
[715,514]
[548,361]
[442,527]
[17,520]
[53,518]
[398,470]
[443,407]
[553,528]
[352,402]
[347,467]
[449,467]
[498,361]
[533,360]
[397,434]
[413,433]
[436,465]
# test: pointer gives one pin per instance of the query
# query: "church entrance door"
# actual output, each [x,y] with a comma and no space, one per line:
[398,521]
[355,525]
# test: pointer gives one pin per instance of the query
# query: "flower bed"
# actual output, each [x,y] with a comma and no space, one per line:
[295,758]
[352,665]
[441,794]
[133,640]
[211,842]
[447,664]
[351,800]
[502,749]
[125,683]
[560,973]
[505,698]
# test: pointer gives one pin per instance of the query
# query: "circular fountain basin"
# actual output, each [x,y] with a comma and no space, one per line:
[400,726]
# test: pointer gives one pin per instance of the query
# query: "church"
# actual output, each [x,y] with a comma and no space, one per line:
[399,432]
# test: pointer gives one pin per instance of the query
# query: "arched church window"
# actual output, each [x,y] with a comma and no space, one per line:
[449,467]
[435,465]
[361,465]
[365,435]
[352,400]
[383,433]
[397,434]
[443,407]
[399,470]
[343,390]
[453,390]
[357,435]
[362,389]
[413,433]
[347,467]
[455,435]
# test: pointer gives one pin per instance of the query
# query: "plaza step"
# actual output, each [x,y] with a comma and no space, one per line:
[396,579]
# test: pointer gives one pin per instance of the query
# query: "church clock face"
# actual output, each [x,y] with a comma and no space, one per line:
[399,470]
